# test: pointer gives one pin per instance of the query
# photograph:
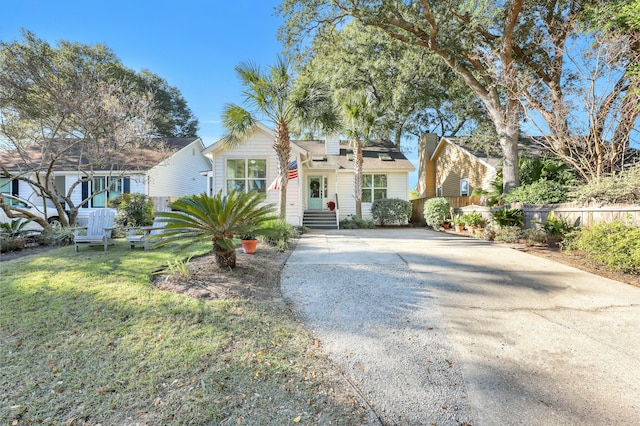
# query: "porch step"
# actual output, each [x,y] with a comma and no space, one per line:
[324,219]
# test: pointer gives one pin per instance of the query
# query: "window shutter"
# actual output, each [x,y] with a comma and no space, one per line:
[126,185]
[85,193]
[15,188]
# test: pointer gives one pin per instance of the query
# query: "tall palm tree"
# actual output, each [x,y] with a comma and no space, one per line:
[276,96]
[217,218]
[359,119]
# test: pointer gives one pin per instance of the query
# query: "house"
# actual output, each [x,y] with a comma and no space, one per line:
[165,168]
[323,172]
[453,167]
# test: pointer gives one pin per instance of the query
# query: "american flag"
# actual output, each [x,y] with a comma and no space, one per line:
[293,169]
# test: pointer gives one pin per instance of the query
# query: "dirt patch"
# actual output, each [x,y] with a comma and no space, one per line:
[255,277]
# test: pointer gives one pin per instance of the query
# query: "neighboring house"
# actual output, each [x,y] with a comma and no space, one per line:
[324,173]
[451,167]
[169,172]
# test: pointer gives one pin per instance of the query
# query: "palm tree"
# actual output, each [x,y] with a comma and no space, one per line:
[359,121]
[217,218]
[276,96]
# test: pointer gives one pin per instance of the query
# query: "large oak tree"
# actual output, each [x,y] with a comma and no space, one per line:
[63,105]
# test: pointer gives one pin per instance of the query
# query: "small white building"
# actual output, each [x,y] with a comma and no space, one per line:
[169,172]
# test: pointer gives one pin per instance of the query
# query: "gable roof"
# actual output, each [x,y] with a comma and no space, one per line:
[529,146]
[145,157]
[370,154]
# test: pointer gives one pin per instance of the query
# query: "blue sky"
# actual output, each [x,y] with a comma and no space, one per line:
[193,44]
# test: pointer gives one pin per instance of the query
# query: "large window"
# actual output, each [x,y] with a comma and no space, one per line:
[107,192]
[374,187]
[247,175]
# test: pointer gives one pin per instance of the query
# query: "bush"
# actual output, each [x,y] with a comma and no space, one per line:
[508,217]
[8,244]
[615,244]
[133,210]
[436,210]
[282,233]
[534,236]
[622,188]
[507,234]
[540,192]
[473,219]
[352,222]
[556,227]
[391,210]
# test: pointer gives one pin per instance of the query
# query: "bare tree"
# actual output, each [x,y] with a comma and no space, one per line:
[586,99]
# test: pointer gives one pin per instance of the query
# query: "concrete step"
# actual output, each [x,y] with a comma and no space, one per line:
[324,219]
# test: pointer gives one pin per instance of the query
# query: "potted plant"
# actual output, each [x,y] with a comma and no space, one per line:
[555,228]
[472,220]
[458,222]
[331,205]
[249,243]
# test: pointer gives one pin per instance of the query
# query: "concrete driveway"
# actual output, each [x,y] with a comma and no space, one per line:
[439,329]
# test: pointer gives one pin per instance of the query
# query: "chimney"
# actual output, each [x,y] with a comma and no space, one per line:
[332,144]
[426,169]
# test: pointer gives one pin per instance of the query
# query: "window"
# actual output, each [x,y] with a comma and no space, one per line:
[439,191]
[247,175]
[374,187]
[464,187]
[5,185]
[109,188]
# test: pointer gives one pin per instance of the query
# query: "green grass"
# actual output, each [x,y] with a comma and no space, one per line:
[86,338]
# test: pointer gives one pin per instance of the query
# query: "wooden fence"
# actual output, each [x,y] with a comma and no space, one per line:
[576,214]
[417,213]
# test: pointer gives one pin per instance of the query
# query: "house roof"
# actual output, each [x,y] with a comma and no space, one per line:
[530,146]
[396,160]
[146,157]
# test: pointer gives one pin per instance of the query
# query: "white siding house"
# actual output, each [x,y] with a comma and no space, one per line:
[324,173]
[170,171]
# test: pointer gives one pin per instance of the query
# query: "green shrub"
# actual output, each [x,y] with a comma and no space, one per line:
[15,228]
[391,210]
[534,236]
[539,192]
[352,222]
[133,210]
[508,217]
[556,227]
[436,210]
[615,244]
[282,232]
[621,188]
[57,236]
[473,219]
[507,234]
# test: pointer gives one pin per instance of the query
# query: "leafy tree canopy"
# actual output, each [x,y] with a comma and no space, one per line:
[412,91]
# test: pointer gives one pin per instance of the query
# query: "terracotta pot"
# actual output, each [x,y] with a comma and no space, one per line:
[459,228]
[249,246]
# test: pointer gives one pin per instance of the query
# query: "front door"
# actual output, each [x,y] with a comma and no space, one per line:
[314,198]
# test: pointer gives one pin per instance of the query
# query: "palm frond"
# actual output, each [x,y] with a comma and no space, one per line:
[239,124]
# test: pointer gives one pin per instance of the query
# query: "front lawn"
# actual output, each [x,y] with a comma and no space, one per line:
[85,338]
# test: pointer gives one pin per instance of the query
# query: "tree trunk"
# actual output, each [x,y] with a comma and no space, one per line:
[224,258]
[282,147]
[357,171]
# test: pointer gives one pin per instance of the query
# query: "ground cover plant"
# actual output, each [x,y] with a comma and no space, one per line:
[88,338]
